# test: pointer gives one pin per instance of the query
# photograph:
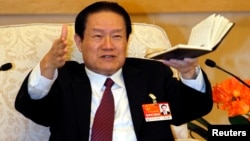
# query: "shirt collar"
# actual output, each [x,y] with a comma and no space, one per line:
[99,79]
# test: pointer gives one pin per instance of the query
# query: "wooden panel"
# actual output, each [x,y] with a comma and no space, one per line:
[133,6]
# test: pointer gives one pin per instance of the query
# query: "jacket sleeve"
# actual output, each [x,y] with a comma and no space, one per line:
[190,103]
[39,111]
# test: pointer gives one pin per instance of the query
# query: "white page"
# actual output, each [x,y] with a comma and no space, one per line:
[224,27]
[218,23]
[201,33]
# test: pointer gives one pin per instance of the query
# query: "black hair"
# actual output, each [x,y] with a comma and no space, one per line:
[81,19]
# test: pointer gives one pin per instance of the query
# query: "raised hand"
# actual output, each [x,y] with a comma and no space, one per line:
[186,66]
[56,57]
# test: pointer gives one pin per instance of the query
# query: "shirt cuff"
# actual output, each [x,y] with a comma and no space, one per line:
[39,86]
[198,83]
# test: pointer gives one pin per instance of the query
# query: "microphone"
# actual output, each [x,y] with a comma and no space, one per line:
[6,67]
[212,64]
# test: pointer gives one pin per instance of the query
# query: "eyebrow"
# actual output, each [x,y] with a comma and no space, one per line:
[100,30]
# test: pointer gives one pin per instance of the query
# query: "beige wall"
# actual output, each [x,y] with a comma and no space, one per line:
[232,54]
[133,6]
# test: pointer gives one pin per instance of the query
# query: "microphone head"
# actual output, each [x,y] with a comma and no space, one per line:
[5,67]
[210,63]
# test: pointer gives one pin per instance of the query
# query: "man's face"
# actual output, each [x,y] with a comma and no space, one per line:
[164,108]
[104,45]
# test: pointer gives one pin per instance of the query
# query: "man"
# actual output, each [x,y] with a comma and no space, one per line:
[164,110]
[66,95]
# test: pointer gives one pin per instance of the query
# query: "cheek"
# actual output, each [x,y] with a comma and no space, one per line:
[90,53]
[87,48]
[121,46]
[124,51]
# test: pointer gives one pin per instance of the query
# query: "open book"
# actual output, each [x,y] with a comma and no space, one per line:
[205,37]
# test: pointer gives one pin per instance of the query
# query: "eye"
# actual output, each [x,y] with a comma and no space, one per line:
[117,36]
[97,36]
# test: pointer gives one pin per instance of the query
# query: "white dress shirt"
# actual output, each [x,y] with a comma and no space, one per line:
[39,86]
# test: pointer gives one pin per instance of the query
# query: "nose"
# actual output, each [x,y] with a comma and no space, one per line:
[108,43]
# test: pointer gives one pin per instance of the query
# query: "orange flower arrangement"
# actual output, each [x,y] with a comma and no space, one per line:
[233,96]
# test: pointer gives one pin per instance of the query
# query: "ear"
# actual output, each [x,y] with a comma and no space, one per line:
[78,42]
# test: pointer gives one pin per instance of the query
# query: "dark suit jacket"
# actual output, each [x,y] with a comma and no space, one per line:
[66,109]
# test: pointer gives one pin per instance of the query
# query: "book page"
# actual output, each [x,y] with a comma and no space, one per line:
[218,23]
[224,27]
[201,33]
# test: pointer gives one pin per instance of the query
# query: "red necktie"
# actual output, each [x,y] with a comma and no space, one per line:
[102,129]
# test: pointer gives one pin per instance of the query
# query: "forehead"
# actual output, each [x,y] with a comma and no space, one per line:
[105,19]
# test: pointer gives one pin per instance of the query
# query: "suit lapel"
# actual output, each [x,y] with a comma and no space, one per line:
[82,101]
[136,96]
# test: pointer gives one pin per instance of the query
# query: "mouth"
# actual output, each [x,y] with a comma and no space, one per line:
[107,56]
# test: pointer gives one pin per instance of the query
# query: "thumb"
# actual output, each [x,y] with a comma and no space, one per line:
[64,32]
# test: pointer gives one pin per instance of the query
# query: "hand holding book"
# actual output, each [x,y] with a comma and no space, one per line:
[205,37]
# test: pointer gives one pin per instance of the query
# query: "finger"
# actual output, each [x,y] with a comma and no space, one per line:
[64,32]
